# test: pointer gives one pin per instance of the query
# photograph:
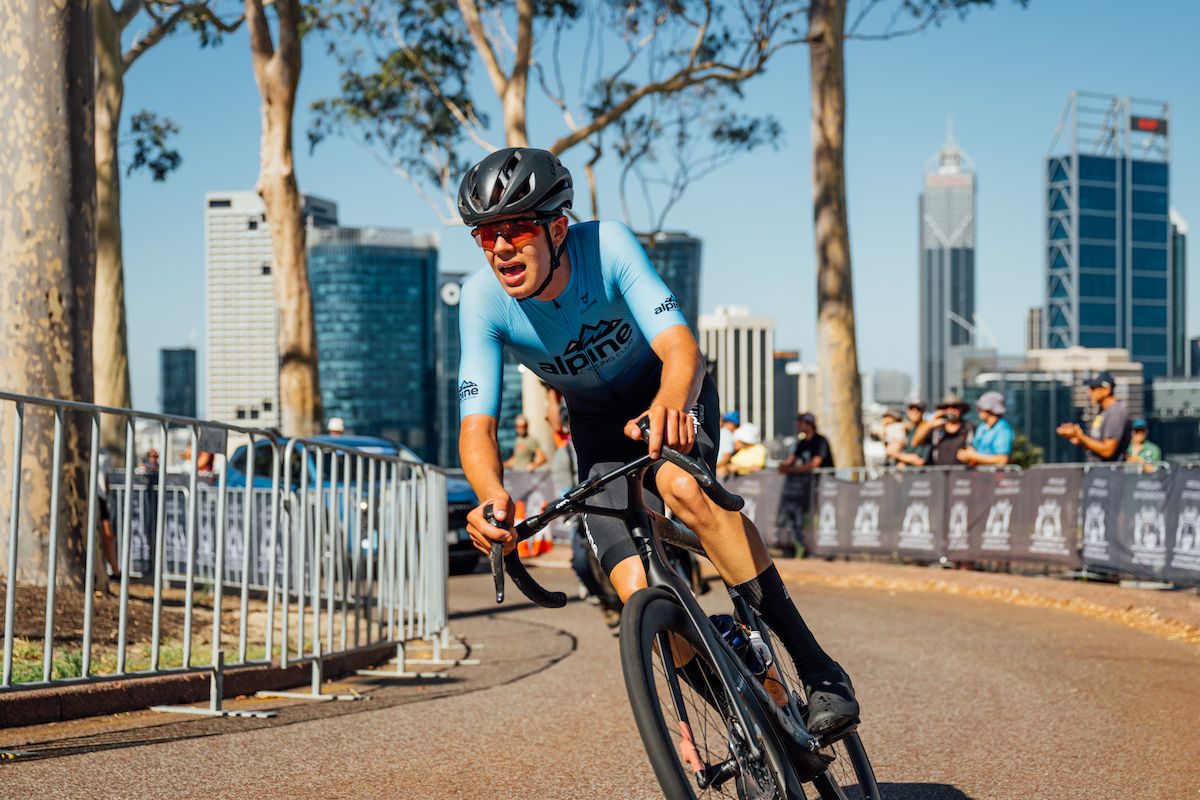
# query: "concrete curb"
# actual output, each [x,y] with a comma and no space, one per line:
[73,701]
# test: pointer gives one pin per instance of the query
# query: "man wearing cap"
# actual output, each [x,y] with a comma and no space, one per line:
[914,453]
[993,440]
[1141,449]
[811,452]
[1108,436]
[729,425]
[947,431]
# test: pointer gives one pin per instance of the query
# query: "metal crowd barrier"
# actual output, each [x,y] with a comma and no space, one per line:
[331,551]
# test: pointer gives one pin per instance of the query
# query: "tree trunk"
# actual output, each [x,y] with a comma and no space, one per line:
[837,354]
[277,72]
[47,272]
[110,347]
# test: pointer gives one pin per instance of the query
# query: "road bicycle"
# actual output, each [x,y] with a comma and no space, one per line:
[719,728]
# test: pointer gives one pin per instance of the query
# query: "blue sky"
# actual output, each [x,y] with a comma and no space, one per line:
[1003,73]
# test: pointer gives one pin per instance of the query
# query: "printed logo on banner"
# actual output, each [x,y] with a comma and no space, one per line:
[995,530]
[827,531]
[866,525]
[1149,537]
[916,532]
[1187,540]
[1095,546]
[1047,530]
[956,528]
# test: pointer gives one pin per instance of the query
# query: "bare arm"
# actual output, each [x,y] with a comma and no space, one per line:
[479,450]
[790,467]
[682,373]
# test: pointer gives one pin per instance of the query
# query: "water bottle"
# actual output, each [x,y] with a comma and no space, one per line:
[769,673]
[738,637]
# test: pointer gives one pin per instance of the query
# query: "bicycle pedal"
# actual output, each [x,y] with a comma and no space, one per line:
[827,739]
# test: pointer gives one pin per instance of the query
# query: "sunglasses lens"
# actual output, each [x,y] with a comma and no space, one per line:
[517,233]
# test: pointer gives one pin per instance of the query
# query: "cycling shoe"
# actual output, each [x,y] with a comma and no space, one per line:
[831,703]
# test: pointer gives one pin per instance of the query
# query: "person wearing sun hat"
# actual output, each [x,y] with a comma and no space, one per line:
[993,440]
[947,431]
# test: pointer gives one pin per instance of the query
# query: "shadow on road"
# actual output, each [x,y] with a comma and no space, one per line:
[921,791]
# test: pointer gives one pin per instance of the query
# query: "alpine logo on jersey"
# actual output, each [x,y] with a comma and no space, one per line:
[467,389]
[595,345]
[670,304]
[586,302]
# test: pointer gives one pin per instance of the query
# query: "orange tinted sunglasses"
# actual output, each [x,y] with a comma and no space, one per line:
[517,232]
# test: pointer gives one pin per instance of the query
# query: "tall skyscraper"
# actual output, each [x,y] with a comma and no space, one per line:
[1108,278]
[947,270]
[374,306]
[1180,351]
[242,351]
[743,349]
[448,352]
[177,381]
[676,256]
[887,387]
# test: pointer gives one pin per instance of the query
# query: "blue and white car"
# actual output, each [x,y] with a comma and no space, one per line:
[463,555]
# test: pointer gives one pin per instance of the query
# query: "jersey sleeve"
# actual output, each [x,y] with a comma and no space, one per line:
[653,305]
[481,365]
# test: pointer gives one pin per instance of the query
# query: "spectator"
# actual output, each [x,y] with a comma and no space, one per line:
[1142,450]
[914,454]
[729,424]
[892,434]
[947,432]
[527,453]
[749,453]
[108,539]
[150,462]
[993,440]
[336,426]
[810,453]
[1108,436]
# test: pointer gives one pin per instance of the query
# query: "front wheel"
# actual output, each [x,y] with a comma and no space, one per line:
[692,735]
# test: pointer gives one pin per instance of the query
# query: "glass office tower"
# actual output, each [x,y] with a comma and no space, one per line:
[947,269]
[374,305]
[676,256]
[177,381]
[1181,364]
[1108,276]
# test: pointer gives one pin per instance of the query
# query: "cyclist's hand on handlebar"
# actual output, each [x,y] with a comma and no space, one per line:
[484,533]
[673,427]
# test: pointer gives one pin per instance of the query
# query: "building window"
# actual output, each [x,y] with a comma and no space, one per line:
[266,269]
[267,405]
[254,413]
[220,203]
[252,225]
[241,413]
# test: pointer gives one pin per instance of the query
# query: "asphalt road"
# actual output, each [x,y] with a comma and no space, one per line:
[962,698]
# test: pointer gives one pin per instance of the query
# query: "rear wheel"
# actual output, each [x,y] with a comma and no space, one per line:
[705,751]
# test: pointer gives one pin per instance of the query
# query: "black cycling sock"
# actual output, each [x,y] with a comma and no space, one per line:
[703,682]
[768,596]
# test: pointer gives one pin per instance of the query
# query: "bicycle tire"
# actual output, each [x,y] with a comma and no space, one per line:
[849,775]
[651,612]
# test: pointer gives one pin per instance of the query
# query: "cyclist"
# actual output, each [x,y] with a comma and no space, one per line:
[582,307]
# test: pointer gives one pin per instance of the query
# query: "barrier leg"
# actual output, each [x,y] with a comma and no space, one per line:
[437,642]
[216,692]
[401,670]
[315,693]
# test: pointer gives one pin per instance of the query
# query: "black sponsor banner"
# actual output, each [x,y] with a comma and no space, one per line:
[1183,527]
[829,530]
[1139,541]
[921,498]
[876,521]
[1099,515]
[1045,526]
[762,492]
[995,499]
[960,488]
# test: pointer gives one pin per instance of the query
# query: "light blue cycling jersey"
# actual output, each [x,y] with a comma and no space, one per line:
[592,342]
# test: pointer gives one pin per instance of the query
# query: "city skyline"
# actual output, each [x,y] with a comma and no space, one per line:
[752,215]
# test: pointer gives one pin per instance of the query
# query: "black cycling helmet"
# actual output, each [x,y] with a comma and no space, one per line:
[516,180]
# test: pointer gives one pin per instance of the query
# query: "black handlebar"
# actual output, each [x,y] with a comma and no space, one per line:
[512,562]
[516,570]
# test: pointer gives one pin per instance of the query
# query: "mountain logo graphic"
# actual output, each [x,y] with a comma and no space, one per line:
[595,345]
[467,389]
[670,304]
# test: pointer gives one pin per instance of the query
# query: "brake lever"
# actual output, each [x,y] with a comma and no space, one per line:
[495,556]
